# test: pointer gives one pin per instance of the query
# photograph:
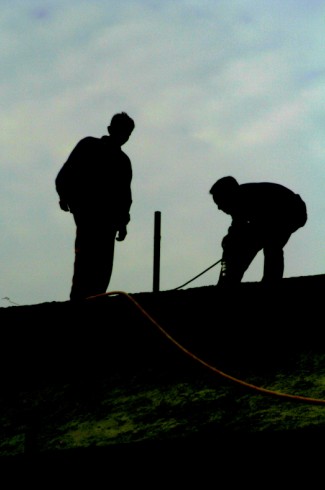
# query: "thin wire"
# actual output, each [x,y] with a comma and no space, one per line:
[206,270]
[12,302]
[265,391]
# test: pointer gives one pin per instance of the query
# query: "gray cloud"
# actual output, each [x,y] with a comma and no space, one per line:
[220,90]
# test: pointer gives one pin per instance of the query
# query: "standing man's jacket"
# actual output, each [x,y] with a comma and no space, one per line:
[96,180]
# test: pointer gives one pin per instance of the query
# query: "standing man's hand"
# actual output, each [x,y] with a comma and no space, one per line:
[64,206]
[121,233]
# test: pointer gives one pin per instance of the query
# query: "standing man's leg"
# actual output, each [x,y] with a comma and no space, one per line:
[83,262]
[104,259]
[94,255]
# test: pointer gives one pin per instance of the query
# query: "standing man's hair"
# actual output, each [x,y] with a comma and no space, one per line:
[124,120]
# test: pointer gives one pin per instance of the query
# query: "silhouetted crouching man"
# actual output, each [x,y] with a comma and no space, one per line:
[264,215]
[95,186]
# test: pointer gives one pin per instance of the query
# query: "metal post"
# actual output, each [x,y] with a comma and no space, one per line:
[156,251]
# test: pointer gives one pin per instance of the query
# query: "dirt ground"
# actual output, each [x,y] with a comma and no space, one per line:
[103,378]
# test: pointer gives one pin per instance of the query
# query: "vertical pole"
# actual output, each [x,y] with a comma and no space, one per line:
[156,251]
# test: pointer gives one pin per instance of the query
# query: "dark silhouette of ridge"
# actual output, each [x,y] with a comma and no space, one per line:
[85,355]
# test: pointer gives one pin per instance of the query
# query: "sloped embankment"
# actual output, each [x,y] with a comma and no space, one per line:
[101,376]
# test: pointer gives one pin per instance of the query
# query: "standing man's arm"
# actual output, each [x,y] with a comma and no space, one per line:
[126,201]
[61,181]
[66,179]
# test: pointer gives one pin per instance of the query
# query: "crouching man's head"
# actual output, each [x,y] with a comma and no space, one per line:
[224,193]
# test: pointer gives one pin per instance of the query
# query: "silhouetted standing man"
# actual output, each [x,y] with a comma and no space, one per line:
[264,215]
[95,186]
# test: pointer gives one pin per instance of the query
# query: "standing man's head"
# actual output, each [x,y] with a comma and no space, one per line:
[224,193]
[120,128]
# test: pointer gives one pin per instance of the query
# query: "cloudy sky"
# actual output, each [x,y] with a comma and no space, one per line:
[216,87]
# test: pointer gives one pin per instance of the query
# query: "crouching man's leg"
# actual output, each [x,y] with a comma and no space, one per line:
[274,258]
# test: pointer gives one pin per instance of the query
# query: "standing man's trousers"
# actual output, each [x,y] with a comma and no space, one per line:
[94,256]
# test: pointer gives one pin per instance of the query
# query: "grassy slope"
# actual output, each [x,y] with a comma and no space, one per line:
[102,376]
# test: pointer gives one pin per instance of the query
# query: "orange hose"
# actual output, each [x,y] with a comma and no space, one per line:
[209,366]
